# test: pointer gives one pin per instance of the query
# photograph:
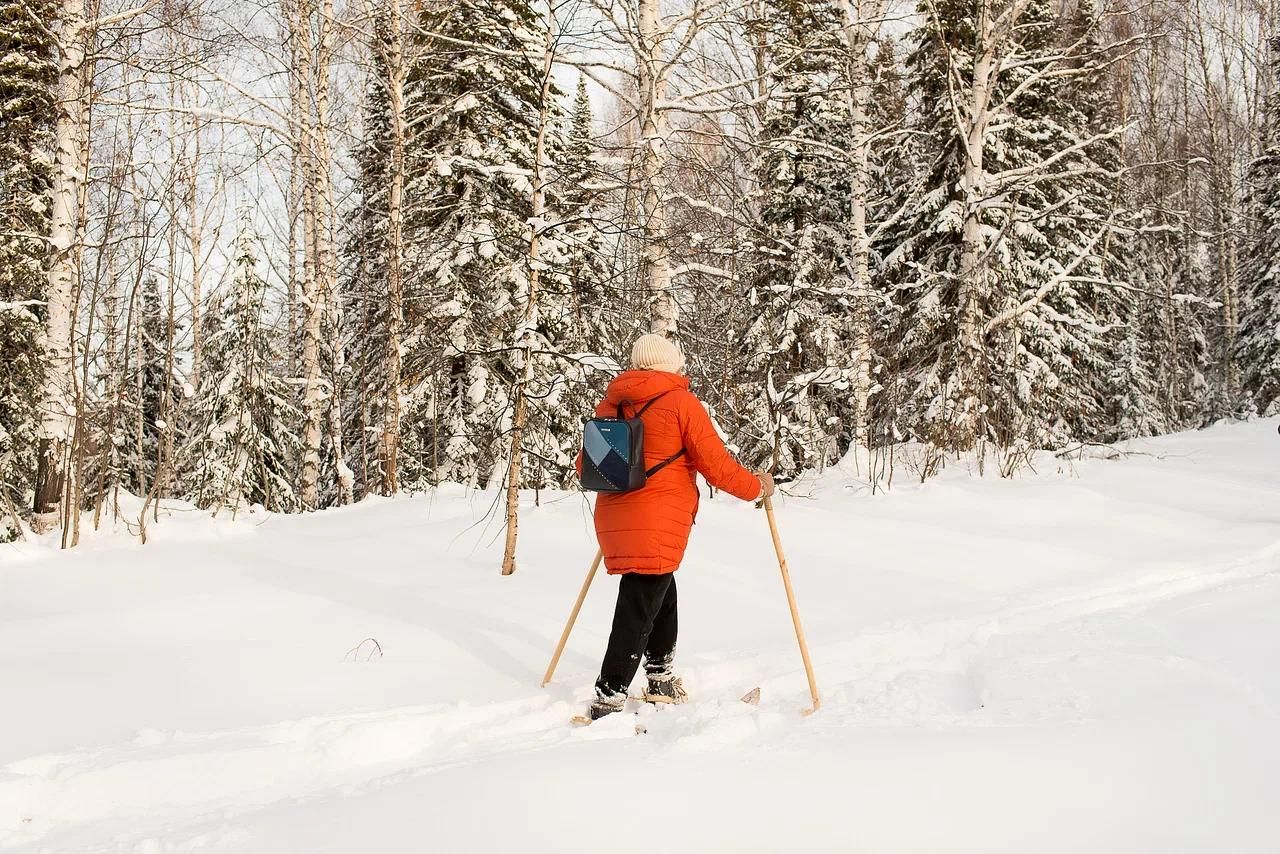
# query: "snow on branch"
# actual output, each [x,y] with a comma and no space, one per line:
[1013,313]
[701,269]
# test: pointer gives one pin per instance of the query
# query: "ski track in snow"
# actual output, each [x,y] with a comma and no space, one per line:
[238,770]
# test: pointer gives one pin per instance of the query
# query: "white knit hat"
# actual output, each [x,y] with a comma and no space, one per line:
[656,353]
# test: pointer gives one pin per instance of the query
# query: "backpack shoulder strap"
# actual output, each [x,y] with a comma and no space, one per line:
[641,411]
[668,461]
[651,402]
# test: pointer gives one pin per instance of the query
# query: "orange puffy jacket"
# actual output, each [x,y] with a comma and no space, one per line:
[647,530]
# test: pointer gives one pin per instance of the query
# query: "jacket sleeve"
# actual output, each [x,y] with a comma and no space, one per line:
[709,455]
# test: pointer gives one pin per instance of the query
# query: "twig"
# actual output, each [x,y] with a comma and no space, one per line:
[354,653]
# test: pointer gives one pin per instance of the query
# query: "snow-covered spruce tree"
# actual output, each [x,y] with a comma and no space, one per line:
[365,289]
[472,97]
[922,248]
[27,77]
[1122,381]
[1134,402]
[568,328]
[246,444]
[892,166]
[1057,373]
[372,281]
[584,262]
[573,312]
[995,327]
[890,162]
[147,389]
[1259,344]
[794,354]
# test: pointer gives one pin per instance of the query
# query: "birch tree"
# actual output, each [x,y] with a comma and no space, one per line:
[391,46]
[57,412]
[860,24]
[658,45]
[311,27]
[525,338]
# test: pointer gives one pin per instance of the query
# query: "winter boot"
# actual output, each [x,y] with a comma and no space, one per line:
[606,703]
[668,690]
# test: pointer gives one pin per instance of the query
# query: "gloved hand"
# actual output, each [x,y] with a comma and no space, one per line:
[767,486]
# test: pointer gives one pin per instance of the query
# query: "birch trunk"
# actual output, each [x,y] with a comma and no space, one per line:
[395,65]
[973,268]
[194,224]
[654,129]
[525,332]
[57,407]
[294,203]
[311,292]
[74,491]
[860,25]
[326,253]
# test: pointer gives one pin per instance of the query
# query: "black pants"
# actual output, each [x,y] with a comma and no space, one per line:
[644,621]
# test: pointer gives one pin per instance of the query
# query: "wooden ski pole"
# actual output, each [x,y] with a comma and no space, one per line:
[791,601]
[573,618]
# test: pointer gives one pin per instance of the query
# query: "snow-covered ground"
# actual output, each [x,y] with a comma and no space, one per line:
[1082,660]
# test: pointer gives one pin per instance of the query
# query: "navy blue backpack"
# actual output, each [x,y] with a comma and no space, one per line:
[613,453]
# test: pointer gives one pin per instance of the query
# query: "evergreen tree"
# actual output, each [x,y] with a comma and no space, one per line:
[921,250]
[1060,372]
[583,267]
[890,161]
[568,329]
[794,351]
[1259,343]
[573,315]
[474,103]
[1123,381]
[365,288]
[1045,225]
[1135,408]
[892,164]
[27,78]
[246,449]
[149,386]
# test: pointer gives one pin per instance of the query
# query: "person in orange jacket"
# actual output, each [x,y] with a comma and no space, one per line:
[643,533]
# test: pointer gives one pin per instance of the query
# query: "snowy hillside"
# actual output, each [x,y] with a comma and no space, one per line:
[1083,660]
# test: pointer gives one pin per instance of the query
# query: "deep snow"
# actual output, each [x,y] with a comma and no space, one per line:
[1084,659]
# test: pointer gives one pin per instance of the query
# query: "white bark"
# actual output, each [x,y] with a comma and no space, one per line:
[973,111]
[57,407]
[973,268]
[525,332]
[860,25]
[652,77]
[195,227]
[310,68]
[326,253]
[396,73]
[659,46]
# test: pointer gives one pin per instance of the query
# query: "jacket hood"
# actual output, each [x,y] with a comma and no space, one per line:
[642,386]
